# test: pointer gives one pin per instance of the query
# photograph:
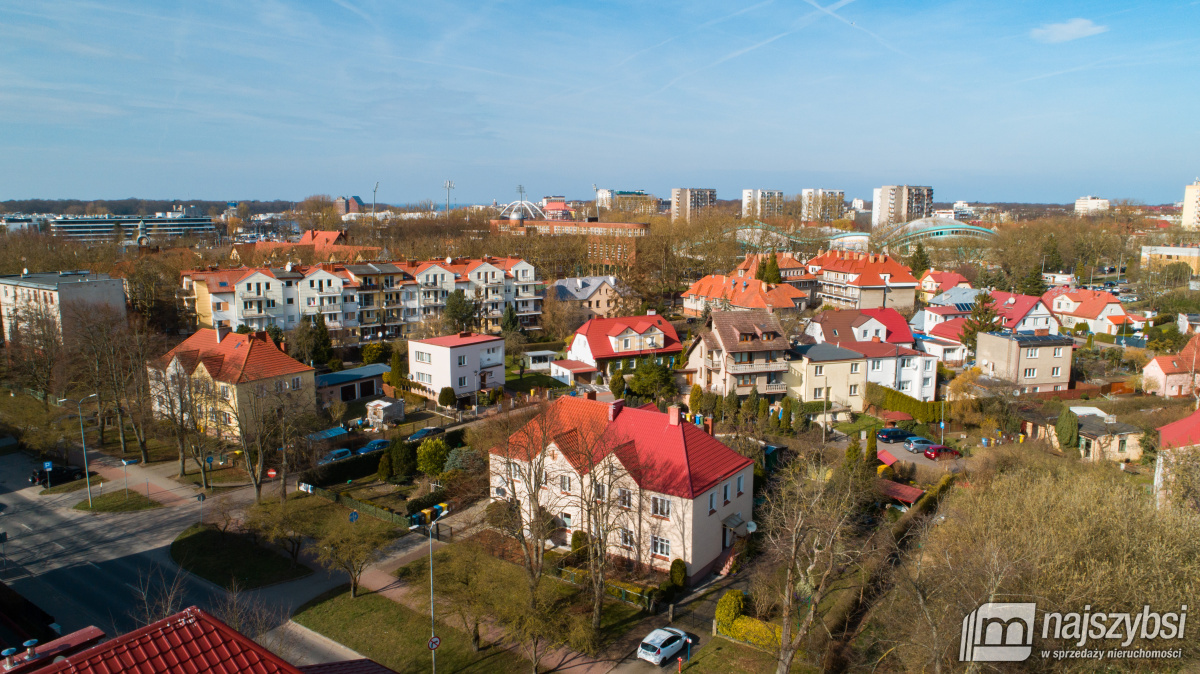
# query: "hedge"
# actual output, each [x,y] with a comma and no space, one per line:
[755,632]
[895,401]
[1107,339]
[416,505]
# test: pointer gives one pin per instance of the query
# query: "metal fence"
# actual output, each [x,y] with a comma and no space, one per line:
[575,576]
[378,513]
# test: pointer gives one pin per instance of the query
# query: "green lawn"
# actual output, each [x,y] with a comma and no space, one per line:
[230,474]
[224,558]
[721,655]
[118,502]
[395,636]
[514,382]
[864,422]
[71,486]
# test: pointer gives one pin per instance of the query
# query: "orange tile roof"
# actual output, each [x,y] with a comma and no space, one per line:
[1091,302]
[746,292]
[235,359]
[945,279]
[869,267]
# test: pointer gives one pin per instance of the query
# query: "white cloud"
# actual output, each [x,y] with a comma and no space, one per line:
[1074,29]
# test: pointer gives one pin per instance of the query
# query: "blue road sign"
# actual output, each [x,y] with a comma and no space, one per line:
[200,498]
[943,424]
[47,465]
[209,459]
[353,516]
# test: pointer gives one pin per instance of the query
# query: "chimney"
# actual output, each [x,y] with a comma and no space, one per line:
[222,330]
[673,415]
[591,395]
[614,408]
[1041,332]
[875,339]
[708,425]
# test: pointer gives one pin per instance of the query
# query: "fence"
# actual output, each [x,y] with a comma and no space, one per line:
[642,599]
[363,507]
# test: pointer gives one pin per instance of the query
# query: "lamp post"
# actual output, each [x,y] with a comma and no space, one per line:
[87,479]
[432,625]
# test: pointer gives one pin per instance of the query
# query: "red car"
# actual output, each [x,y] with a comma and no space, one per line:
[938,452]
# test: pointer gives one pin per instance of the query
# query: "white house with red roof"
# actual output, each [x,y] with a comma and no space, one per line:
[608,343]
[731,293]
[1173,376]
[852,280]
[1101,312]
[467,363]
[851,325]
[662,488]
[937,282]
[910,372]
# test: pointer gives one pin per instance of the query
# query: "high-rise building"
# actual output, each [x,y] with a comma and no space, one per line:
[1191,206]
[686,201]
[1090,205]
[818,205]
[630,201]
[893,204]
[858,205]
[762,203]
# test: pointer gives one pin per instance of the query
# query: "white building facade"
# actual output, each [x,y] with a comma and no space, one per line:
[821,205]
[467,363]
[57,295]
[762,203]
[1090,205]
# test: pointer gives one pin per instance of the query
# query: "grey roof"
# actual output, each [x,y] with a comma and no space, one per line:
[541,353]
[352,375]
[956,296]
[1094,427]
[1030,339]
[824,352]
[51,280]
[373,268]
[580,287]
[282,273]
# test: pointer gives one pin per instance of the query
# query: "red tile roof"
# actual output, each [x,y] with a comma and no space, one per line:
[680,460]
[1182,362]
[885,456]
[837,325]
[598,330]
[189,642]
[236,359]
[897,327]
[1014,311]
[746,292]
[322,239]
[951,329]
[900,492]
[945,279]
[1090,302]
[574,366]
[1182,433]
[869,268]
[461,339]
[749,266]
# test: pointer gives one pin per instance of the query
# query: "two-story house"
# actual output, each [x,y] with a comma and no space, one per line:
[910,372]
[792,271]
[730,293]
[659,487]
[740,351]
[852,280]
[61,297]
[1034,362]
[466,362]
[934,283]
[599,296]
[1100,311]
[619,342]
[827,372]
[860,325]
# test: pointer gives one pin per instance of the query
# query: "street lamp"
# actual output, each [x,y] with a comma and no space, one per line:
[432,625]
[83,439]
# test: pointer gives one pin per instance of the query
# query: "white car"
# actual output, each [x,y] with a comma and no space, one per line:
[662,645]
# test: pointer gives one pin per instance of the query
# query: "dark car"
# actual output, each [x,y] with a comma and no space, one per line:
[58,475]
[939,452]
[427,432]
[892,435]
[374,446]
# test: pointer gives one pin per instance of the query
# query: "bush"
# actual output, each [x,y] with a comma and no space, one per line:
[334,365]
[731,605]
[579,541]
[432,456]
[678,572]
[429,500]
[404,457]
[890,399]
[446,397]
[339,472]
[376,352]
[464,459]
[756,632]
[385,467]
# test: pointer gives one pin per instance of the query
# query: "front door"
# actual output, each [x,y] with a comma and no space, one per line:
[727,537]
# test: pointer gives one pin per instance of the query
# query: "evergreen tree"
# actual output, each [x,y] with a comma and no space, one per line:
[729,407]
[509,322]
[275,333]
[616,383]
[750,408]
[785,423]
[322,343]
[399,368]
[1067,430]
[919,261]
[1051,259]
[1032,283]
[983,318]
[459,312]
[764,410]
[769,271]
[1080,273]
[695,398]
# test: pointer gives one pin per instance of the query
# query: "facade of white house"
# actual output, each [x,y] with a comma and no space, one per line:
[466,362]
[57,294]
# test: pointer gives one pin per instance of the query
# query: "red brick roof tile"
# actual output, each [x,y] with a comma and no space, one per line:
[236,359]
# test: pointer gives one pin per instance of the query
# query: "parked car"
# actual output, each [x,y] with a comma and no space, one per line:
[916,443]
[427,432]
[939,452]
[892,435]
[335,455]
[661,645]
[58,475]
[374,446]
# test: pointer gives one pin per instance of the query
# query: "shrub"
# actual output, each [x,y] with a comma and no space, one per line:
[385,467]
[446,397]
[579,541]
[334,365]
[376,352]
[404,457]
[756,632]
[731,605]
[464,459]
[432,456]
[679,572]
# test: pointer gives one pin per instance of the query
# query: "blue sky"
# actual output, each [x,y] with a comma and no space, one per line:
[1020,101]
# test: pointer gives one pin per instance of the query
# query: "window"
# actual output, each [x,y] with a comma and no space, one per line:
[462,381]
[1030,372]
[1055,371]
[854,389]
[224,392]
[626,538]
[853,368]
[1031,353]
[905,385]
[928,364]
[462,361]
[906,363]
[926,381]
[626,343]
[745,379]
[818,393]
[624,498]
[291,300]
[660,507]
[423,357]
[1058,352]
[876,365]
[712,501]
[295,383]
[564,482]
[566,518]
[741,483]
[660,546]
[601,490]
[1121,446]
[423,377]
[725,493]
[818,370]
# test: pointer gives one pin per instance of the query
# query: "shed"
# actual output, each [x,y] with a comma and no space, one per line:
[901,492]
[353,384]
[385,411]
[538,360]
[567,370]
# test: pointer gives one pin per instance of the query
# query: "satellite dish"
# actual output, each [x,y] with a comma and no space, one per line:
[751,526]
[1016,392]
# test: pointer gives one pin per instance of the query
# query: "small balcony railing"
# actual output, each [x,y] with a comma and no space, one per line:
[758,366]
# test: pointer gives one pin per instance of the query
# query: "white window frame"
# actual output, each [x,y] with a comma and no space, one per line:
[660,507]
[624,498]
[660,546]
[1030,372]
[564,483]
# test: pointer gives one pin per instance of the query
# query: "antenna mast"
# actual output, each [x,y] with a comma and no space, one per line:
[449,185]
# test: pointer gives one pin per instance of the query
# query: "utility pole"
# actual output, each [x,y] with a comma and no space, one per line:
[449,185]
[596,193]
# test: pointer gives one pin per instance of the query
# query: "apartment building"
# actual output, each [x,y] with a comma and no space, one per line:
[361,301]
[687,201]
[1190,218]
[182,222]
[659,487]
[1090,205]
[467,363]
[820,205]
[629,201]
[60,296]
[716,292]
[740,351]
[1031,361]
[852,280]
[827,372]
[1157,257]
[894,204]
[910,372]
[762,203]
[608,243]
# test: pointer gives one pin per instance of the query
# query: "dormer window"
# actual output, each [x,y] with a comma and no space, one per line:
[625,343]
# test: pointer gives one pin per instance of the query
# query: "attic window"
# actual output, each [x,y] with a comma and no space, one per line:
[222,284]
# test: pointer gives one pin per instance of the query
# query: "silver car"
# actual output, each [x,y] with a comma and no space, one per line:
[917,444]
[661,645]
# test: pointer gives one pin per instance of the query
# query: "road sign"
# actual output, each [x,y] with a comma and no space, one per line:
[305,487]
[47,465]
[943,424]
[271,472]
[200,497]
[209,459]
[128,462]
[3,536]
[354,518]
[434,642]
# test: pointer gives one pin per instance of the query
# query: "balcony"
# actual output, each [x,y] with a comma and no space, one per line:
[758,366]
[712,364]
[774,388]
[329,291]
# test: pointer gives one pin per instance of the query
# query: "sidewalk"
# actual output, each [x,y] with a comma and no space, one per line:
[145,480]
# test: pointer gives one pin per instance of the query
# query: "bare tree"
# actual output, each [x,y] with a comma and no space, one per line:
[35,348]
[266,416]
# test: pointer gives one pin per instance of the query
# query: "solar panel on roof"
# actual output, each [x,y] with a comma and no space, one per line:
[965,306]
